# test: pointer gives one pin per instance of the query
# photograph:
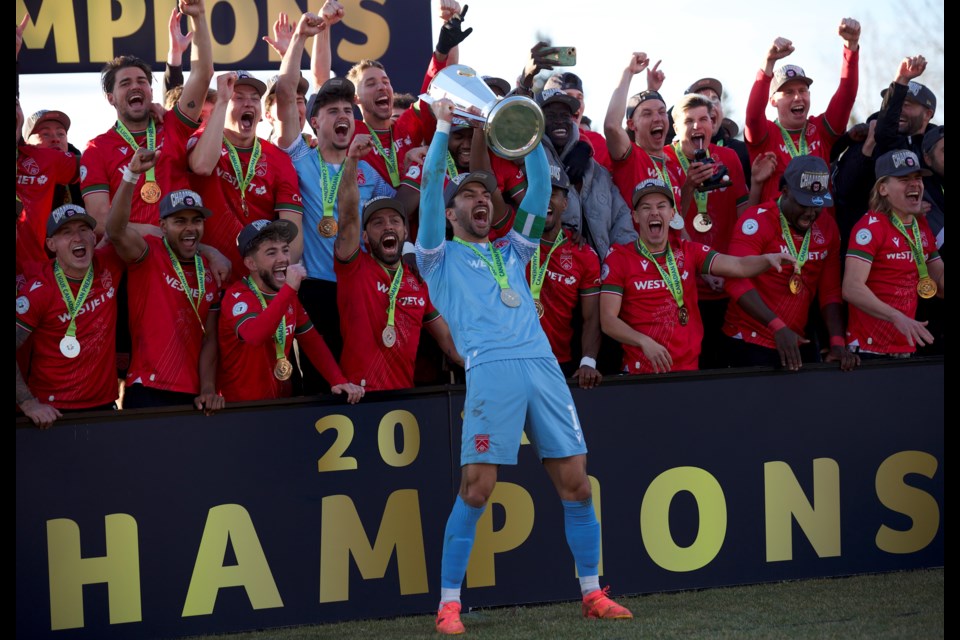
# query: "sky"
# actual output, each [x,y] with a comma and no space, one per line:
[726,40]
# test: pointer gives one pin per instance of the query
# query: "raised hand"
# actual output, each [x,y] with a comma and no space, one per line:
[849,30]
[332,12]
[282,34]
[452,33]
[655,77]
[20,29]
[638,62]
[911,67]
[781,48]
[179,41]
[295,274]
[143,160]
[538,61]
[443,110]
[360,146]
[310,25]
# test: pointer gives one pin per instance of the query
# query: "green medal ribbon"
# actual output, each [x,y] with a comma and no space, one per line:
[329,186]
[671,277]
[787,140]
[451,166]
[151,142]
[663,174]
[394,290]
[497,268]
[699,196]
[537,271]
[201,285]
[916,245]
[73,304]
[243,181]
[280,335]
[804,251]
[390,159]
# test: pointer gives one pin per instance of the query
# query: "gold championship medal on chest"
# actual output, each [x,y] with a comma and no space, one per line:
[150,192]
[927,288]
[795,284]
[327,227]
[683,315]
[283,369]
[539,306]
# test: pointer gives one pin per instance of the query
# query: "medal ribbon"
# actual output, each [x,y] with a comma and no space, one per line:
[243,181]
[73,304]
[201,285]
[671,277]
[151,142]
[451,166]
[329,186]
[664,175]
[280,335]
[538,272]
[392,294]
[916,246]
[804,252]
[497,268]
[791,147]
[390,159]
[699,196]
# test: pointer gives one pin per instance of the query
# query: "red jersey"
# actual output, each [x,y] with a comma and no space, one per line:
[511,179]
[166,334]
[721,207]
[759,232]
[821,131]
[273,189]
[39,171]
[600,152]
[572,273]
[90,379]
[893,279]
[639,166]
[647,305]
[363,299]
[245,370]
[106,155]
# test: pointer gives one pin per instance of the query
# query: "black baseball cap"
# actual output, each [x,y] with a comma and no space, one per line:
[557,96]
[651,185]
[247,78]
[182,200]
[250,233]
[332,90]
[639,98]
[808,178]
[899,163]
[918,93]
[67,213]
[705,83]
[931,138]
[382,202]
[565,80]
[456,184]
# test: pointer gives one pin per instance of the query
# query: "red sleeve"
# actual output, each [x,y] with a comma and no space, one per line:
[590,274]
[755,123]
[742,244]
[838,111]
[320,356]
[261,327]
[93,174]
[415,123]
[829,290]
[32,305]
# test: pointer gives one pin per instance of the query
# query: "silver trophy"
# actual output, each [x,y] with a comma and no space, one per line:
[513,126]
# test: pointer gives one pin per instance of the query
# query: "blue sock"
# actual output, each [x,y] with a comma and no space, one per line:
[583,535]
[457,543]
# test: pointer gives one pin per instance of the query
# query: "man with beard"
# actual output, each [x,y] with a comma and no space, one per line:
[239,174]
[571,84]
[126,82]
[648,301]
[906,111]
[174,303]
[513,378]
[711,215]
[769,312]
[561,274]
[794,133]
[637,152]
[257,332]
[382,305]
[70,311]
[595,208]
[892,258]
[320,173]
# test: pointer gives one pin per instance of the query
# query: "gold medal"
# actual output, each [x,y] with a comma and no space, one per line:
[702,223]
[283,369]
[927,287]
[327,227]
[796,284]
[539,306]
[389,336]
[150,192]
[683,315]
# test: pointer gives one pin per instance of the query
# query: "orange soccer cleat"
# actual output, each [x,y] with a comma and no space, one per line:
[448,619]
[598,605]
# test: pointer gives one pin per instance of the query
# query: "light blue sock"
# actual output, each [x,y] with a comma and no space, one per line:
[583,535]
[457,543]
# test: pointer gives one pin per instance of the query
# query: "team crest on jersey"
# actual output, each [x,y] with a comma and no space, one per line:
[501,243]
[106,279]
[923,239]
[750,226]
[239,309]
[361,178]
[566,260]
[261,169]
[864,237]
[481,442]
[23,305]
[29,166]
[818,235]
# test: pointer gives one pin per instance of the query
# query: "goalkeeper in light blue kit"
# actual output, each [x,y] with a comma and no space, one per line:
[513,379]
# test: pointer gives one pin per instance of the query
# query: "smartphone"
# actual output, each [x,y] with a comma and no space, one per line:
[564,56]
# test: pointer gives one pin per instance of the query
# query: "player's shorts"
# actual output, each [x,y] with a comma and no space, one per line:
[506,397]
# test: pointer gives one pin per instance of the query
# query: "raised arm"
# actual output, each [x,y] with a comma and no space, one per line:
[755,121]
[129,244]
[432,209]
[205,155]
[887,133]
[321,58]
[348,195]
[618,142]
[201,60]
[841,104]
[178,43]
[536,198]
[289,120]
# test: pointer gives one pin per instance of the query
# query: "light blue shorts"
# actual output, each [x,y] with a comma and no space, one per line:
[506,397]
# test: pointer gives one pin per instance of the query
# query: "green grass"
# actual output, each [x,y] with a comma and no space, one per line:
[891,605]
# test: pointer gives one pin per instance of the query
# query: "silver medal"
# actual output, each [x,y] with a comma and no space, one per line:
[70,347]
[389,336]
[702,223]
[676,222]
[510,297]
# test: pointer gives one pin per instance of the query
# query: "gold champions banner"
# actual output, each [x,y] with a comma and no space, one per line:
[169,523]
[81,35]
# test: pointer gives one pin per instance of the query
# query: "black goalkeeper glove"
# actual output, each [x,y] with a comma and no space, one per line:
[451,33]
